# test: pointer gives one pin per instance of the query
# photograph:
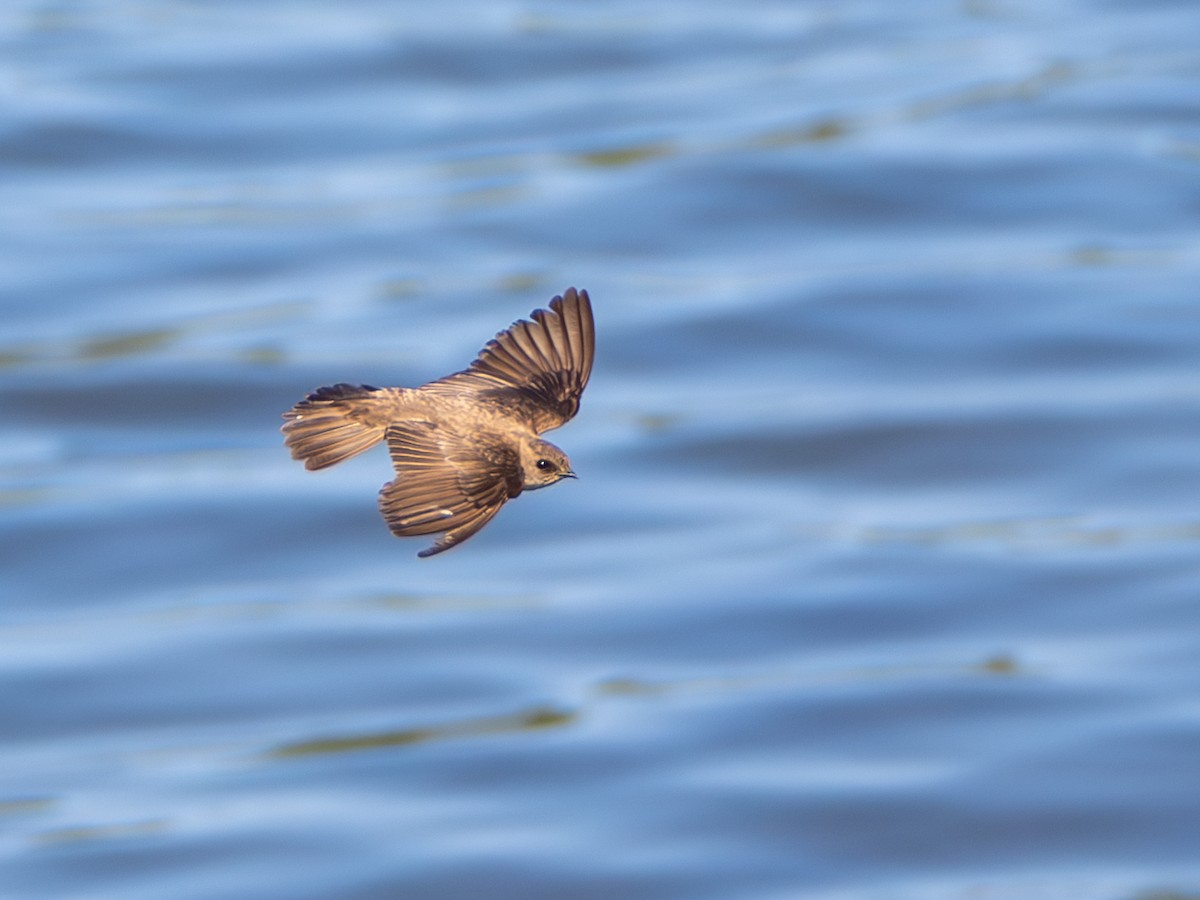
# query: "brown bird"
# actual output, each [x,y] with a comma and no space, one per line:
[466,443]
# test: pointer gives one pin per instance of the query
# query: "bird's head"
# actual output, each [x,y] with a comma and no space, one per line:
[543,464]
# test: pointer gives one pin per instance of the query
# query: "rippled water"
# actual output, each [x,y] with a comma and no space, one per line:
[880,578]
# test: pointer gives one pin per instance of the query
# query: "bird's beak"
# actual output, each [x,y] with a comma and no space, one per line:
[569,475]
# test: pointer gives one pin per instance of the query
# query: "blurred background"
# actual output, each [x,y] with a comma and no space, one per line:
[880,578]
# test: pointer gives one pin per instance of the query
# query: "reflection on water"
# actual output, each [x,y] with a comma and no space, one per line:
[526,721]
[879,578]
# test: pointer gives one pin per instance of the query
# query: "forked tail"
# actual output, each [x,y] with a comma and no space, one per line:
[335,423]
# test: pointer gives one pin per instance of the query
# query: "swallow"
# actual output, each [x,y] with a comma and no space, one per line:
[466,444]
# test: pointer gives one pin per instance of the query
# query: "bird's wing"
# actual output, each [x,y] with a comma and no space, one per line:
[446,482]
[535,370]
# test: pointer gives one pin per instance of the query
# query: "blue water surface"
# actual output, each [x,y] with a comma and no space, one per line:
[880,578]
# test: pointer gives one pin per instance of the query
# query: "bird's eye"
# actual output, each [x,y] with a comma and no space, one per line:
[544,464]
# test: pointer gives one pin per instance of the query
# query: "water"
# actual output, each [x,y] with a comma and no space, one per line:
[879,580]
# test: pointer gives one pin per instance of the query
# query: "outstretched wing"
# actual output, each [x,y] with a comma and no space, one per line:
[446,482]
[536,370]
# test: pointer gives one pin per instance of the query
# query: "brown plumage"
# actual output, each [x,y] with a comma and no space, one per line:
[464,444]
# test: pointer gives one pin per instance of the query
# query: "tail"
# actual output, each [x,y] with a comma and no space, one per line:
[335,423]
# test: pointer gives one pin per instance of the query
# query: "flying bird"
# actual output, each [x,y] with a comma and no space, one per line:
[465,444]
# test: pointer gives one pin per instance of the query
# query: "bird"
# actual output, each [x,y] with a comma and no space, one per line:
[463,445]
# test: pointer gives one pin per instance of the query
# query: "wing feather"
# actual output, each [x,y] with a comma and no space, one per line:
[535,370]
[446,483]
